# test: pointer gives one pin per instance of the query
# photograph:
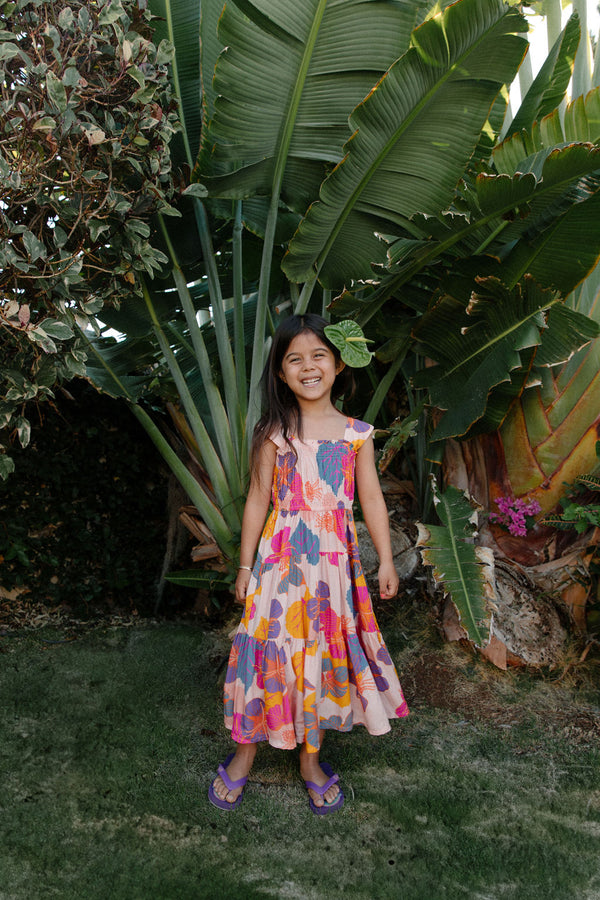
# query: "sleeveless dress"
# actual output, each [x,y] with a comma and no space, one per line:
[308,653]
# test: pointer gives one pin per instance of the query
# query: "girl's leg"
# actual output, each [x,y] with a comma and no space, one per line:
[310,770]
[238,768]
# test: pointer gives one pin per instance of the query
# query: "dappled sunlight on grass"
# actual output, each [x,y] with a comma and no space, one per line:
[109,743]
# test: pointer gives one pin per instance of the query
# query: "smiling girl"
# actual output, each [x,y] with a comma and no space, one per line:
[308,655]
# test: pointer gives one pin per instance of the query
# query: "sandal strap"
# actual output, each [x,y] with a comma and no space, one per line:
[228,782]
[322,789]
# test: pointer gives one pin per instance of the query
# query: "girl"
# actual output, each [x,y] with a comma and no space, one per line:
[308,655]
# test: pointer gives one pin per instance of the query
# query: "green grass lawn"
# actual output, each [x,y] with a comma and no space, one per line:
[108,744]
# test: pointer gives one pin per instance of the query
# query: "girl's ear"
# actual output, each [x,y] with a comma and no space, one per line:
[339,366]
[282,376]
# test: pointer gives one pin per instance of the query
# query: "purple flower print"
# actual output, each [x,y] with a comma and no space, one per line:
[250,726]
[273,670]
[381,682]
[384,657]
[317,605]
[275,614]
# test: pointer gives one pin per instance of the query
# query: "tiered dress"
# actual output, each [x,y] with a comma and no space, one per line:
[308,653]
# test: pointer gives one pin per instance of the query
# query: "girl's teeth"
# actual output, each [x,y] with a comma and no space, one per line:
[311,381]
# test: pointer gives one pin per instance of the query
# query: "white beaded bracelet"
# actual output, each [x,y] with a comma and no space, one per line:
[249,568]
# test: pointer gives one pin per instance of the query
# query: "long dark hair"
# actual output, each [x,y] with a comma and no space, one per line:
[281,410]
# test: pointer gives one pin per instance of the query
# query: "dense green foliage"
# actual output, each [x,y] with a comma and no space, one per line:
[84,162]
[84,523]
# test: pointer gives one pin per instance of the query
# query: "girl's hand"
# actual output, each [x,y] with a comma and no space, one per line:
[241,585]
[388,581]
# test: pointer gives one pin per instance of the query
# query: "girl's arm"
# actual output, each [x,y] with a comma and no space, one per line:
[376,517]
[255,513]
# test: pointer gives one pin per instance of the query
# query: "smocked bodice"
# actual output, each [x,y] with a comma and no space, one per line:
[319,476]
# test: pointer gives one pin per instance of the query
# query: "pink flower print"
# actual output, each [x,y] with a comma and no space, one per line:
[297,500]
[330,623]
[279,716]
[275,614]
[340,523]
[280,542]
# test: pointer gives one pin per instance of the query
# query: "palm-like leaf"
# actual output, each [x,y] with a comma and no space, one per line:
[179,22]
[490,343]
[550,84]
[280,124]
[397,163]
[465,571]
[550,435]
[518,219]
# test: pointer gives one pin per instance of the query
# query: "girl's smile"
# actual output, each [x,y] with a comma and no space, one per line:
[309,367]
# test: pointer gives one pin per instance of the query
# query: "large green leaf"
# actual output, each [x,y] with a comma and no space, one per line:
[210,47]
[564,252]
[466,572]
[581,123]
[534,221]
[412,139]
[305,66]
[550,84]
[179,23]
[488,344]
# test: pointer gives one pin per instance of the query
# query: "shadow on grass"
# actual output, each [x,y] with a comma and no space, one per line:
[108,745]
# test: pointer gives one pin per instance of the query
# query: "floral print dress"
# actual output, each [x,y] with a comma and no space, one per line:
[308,653]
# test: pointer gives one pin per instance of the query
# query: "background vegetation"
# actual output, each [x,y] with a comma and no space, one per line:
[292,185]
[83,525]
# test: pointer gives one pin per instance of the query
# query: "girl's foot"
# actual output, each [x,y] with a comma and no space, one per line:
[310,770]
[237,769]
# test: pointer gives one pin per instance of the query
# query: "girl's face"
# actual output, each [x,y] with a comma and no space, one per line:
[309,367]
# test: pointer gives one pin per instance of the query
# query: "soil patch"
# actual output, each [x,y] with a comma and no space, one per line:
[431,679]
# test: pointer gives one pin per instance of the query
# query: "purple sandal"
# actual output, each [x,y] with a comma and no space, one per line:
[321,790]
[229,784]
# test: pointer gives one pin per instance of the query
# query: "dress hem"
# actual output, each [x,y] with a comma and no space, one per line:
[312,749]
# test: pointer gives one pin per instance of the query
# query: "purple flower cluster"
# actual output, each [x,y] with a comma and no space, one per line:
[516,516]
